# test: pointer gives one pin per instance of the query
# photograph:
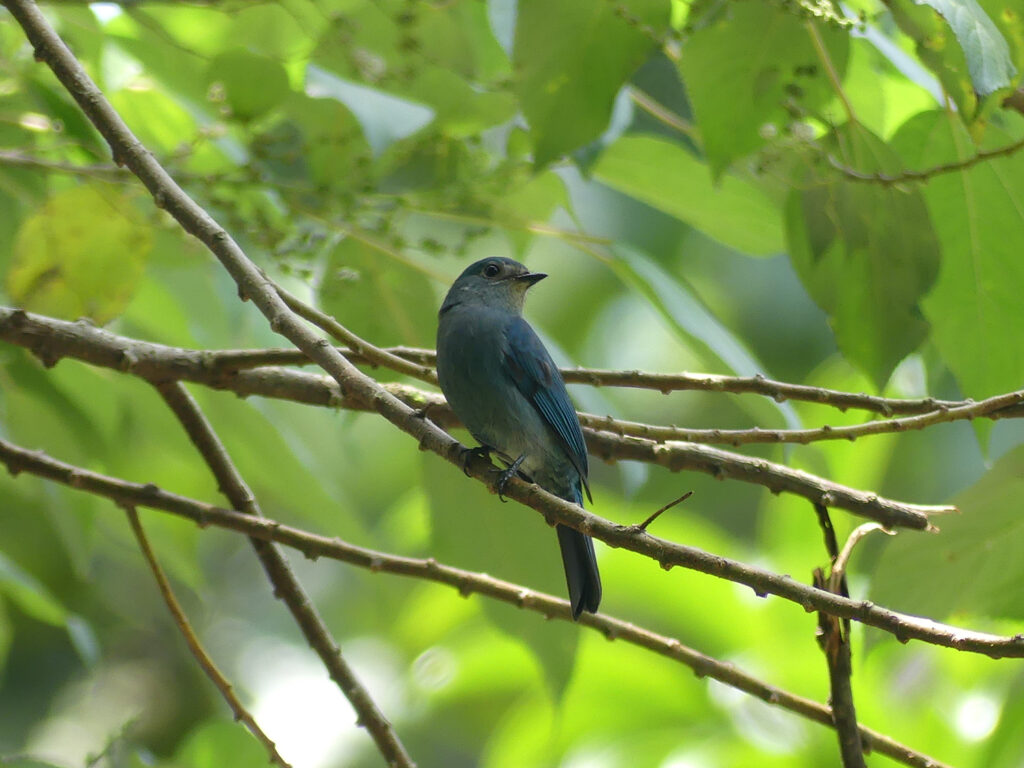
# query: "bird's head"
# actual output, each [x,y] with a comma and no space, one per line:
[495,282]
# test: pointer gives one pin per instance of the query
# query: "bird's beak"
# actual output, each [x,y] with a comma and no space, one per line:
[530,278]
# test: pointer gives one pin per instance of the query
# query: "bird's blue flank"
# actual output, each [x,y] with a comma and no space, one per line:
[536,376]
[504,387]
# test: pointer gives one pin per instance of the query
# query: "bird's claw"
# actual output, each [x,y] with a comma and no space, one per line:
[506,475]
[481,451]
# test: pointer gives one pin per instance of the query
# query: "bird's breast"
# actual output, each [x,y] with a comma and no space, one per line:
[471,368]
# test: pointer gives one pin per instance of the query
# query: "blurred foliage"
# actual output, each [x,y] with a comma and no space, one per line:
[643,153]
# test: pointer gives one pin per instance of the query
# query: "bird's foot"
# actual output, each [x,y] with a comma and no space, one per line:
[506,475]
[481,451]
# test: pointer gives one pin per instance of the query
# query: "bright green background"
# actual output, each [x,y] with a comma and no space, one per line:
[363,153]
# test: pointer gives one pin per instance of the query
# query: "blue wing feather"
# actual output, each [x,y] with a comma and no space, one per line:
[535,375]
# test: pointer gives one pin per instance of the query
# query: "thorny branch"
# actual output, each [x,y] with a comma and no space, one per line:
[130,495]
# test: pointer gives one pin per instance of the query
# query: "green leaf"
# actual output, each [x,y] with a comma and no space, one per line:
[978,215]
[6,634]
[253,85]
[973,566]
[333,151]
[1002,748]
[530,203]
[81,255]
[691,321]
[937,50]
[381,299]
[571,58]
[743,70]
[986,50]
[866,254]
[22,589]
[667,177]
[179,70]
[217,743]
[443,56]
[1008,16]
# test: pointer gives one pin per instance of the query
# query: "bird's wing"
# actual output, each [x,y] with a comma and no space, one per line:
[536,376]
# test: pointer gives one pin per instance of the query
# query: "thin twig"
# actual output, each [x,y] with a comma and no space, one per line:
[837,577]
[286,586]
[663,114]
[192,641]
[669,554]
[50,340]
[367,352]
[942,415]
[104,171]
[830,70]
[313,546]
[905,176]
[777,478]
[780,391]
[227,369]
[658,513]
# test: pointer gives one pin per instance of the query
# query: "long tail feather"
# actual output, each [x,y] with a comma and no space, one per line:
[580,570]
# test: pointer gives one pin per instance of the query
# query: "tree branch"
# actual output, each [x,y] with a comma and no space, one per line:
[888,180]
[313,546]
[777,478]
[834,640]
[665,383]
[50,340]
[929,411]
[192,641]
[835,643]
[286,586]
[669,554]
[367,352]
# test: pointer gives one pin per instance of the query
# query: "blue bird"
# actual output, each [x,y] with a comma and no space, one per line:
[504,387]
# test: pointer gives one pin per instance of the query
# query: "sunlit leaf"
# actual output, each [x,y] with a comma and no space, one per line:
[81,255]
[571,58]
[669,178]
[32,597]
[218,743]
[937,48]
[688,317]
[988,55]
[973,565]
[867,255]
[749,68]
[440,56]
[529,204]
[978,215]
[381,299]
[252,84]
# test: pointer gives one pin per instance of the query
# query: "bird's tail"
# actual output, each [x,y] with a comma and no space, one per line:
[580,570]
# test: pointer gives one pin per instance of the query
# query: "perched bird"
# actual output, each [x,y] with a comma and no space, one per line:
[504,387]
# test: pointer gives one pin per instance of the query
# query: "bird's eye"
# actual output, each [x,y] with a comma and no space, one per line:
[491,270]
